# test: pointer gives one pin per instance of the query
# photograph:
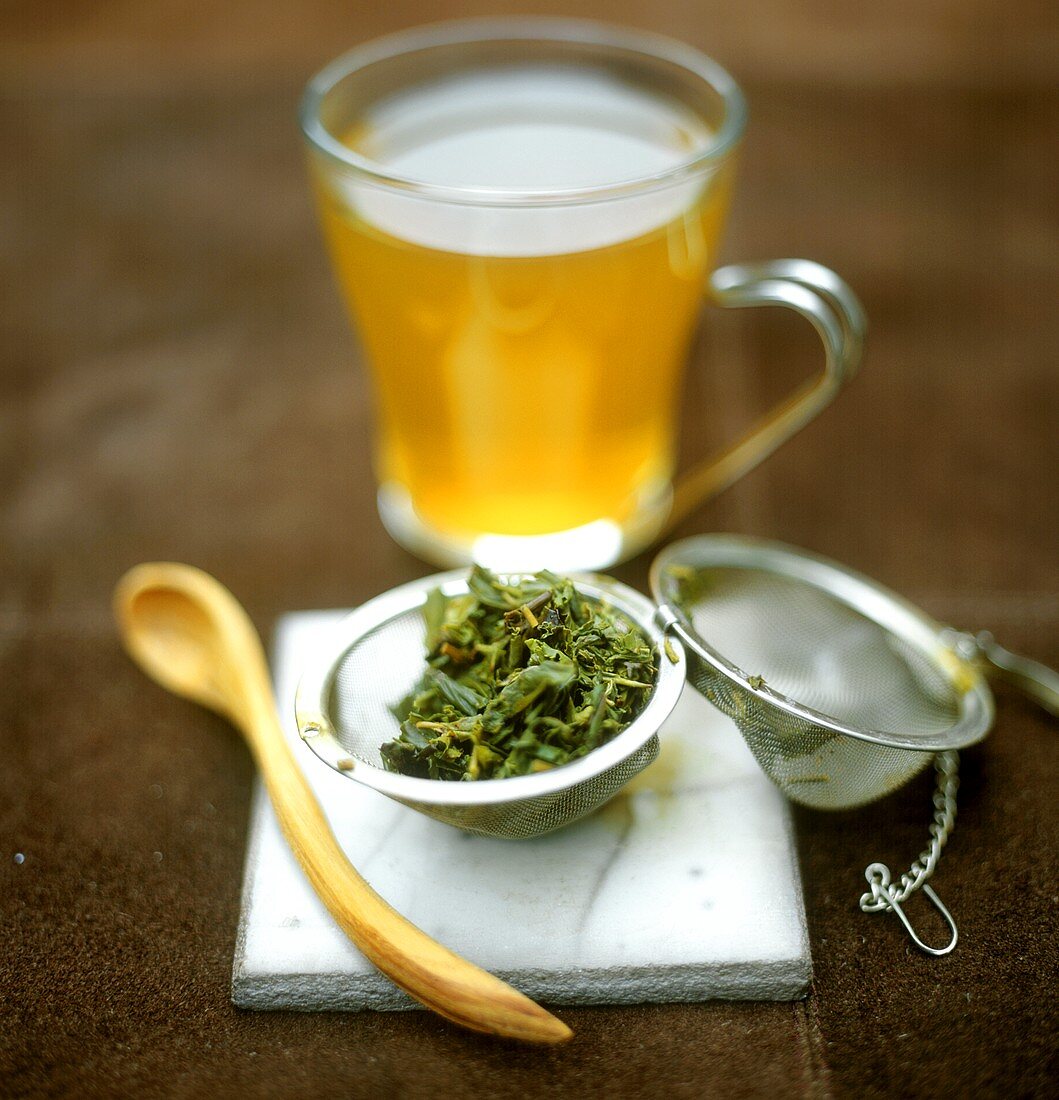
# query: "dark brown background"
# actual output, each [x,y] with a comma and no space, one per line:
[179,382]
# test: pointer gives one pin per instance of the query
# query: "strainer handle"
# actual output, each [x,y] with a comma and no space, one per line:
[819,295]
[1038,681]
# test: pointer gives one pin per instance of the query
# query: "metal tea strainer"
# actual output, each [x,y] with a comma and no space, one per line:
[842,690]
[376,654]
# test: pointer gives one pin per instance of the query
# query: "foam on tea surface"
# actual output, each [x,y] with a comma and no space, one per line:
[530,129]
[526,129]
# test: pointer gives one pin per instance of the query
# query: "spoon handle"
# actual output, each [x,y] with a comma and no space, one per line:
[433,975]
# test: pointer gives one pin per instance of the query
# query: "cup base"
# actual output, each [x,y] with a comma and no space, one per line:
[591,546]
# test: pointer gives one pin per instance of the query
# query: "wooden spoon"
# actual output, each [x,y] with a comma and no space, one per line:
[189,633]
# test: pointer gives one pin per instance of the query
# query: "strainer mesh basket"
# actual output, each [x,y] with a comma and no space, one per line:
[344,712]
[809,647]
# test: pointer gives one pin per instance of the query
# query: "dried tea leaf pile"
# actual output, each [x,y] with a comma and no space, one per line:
[523,675]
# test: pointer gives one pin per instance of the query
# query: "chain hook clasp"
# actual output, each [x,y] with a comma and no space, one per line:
[883,896]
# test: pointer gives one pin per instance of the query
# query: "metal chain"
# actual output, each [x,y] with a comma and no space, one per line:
[883,893]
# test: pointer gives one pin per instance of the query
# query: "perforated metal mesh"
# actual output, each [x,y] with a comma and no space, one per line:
[374,675]
[812,648]
[543,813]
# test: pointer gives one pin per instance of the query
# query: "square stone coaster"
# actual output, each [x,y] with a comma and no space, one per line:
[684,887]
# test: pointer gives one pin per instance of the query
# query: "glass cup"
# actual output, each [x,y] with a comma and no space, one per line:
[524,218]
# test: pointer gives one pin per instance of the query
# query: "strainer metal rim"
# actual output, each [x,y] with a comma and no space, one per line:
[875,602]
[314,689]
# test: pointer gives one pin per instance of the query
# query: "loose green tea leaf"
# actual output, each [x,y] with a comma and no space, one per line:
[692,585]
[524,674]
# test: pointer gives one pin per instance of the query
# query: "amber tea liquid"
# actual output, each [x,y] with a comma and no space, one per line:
[526,358]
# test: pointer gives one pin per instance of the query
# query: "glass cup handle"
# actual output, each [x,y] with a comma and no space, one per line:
[817,294]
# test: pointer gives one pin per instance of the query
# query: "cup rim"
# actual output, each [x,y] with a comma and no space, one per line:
[466,31]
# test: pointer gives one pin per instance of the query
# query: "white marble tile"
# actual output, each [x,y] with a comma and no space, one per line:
[683,888]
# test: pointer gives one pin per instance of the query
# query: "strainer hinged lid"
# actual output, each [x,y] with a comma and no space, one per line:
[802,641]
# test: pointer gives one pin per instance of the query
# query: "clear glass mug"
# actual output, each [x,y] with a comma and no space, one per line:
[524,217]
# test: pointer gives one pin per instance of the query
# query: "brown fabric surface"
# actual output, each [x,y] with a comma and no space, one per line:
[177,383]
